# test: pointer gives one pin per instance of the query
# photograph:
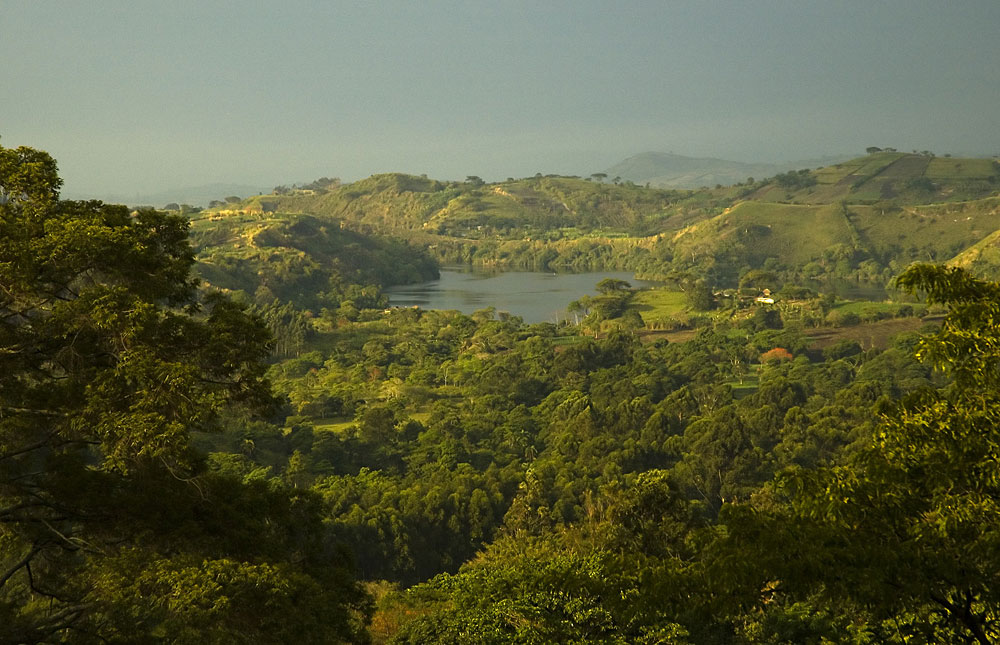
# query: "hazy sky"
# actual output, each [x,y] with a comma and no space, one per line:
[138,96]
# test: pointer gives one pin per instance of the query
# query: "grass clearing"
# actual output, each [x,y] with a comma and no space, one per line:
[948,168]
[908,167]
[422,416]
[872,335]
[677,336]
[749,384]
[659,305]
[336,424]
[876,163]
[567,341]
[865,308]
[341,424]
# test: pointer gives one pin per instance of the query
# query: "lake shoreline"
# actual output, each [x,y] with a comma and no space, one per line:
[534,296]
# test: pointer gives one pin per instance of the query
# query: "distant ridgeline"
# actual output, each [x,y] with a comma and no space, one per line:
[864,219]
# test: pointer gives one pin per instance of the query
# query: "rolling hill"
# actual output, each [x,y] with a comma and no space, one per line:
[299,257]
[861,219]
[419,207]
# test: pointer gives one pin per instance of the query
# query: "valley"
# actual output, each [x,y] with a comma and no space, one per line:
[632,470]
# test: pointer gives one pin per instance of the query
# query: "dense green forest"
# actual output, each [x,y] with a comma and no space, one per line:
[213,428]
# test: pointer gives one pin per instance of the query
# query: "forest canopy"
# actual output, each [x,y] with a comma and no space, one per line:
[111,527]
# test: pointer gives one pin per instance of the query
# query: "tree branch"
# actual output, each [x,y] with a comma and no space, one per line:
[23,562]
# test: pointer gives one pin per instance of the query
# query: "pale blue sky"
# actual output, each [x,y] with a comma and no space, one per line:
[138,96]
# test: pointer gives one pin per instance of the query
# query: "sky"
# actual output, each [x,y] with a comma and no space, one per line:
[142,96]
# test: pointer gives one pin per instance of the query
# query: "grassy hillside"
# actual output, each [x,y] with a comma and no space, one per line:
[983,257]
[929,232]
[755,231]
[417,206]
[890,177]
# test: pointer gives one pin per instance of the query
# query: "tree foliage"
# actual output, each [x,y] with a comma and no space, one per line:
[110,528]
[904,535]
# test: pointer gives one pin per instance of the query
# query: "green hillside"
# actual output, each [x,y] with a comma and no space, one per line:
[751,233]
[982,258]
[299,258]
[863,219]
[417,206]
[889,177]
[866,219]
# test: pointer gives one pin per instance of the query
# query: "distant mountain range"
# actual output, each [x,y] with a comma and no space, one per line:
[192,195]
[667,170]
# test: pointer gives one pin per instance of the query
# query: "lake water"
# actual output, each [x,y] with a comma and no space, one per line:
[534,296]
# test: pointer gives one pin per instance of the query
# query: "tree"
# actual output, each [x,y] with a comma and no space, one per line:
[577,307]
[699,296]
[776,355]
[612,285]
[758,279]
[535,592]
[111,528]
[474,180]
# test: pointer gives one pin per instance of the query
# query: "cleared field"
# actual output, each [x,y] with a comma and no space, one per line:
[874,164]
[884,176]
[936,232]
[865,308]
[873,335]
[869,335]
[908,167]
[835,173]
[749,384]
[333,425]
[340,424]
[947,168]
[659,305]
[679,336]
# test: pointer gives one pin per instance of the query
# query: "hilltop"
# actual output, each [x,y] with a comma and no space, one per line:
[420,207]
[865,219]
[893,177]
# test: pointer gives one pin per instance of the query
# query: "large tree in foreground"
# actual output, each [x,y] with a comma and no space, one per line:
[110,529]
